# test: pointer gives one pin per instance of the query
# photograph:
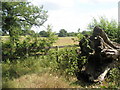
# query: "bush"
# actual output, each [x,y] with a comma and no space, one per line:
[110,27]
[29,46]
[66,60]
[114,78]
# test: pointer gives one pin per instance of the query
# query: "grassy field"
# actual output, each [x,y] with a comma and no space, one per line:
[60,42]
[65,41]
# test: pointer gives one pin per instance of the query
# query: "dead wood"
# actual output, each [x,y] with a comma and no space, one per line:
[104,56]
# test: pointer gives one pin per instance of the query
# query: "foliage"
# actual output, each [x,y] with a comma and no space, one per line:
[15,69]
[80,36]
[59,61]
[30,45]
[66,60]
[27,32]
[20,67]
[113,78]
[71,34]
[110,27]
[43,33]
[86,32]
[17,16]
[21,15]
[62,33]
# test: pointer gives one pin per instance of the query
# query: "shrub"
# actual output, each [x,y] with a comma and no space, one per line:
[114,78]
[66,60]
[29,46]
[110,27]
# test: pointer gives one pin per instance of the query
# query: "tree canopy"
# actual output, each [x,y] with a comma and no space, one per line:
[62,33]
[43,33]
[18,16]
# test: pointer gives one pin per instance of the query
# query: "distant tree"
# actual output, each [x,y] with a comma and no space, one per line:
[71,34]
[86,32]
[78,30]
[62,33]
[43,33]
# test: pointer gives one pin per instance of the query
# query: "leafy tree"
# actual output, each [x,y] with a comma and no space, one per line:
[18,16]
[71,34]
[86,32]
[51,35]
[43,33]
[27,32]
[110,27]
[62,33]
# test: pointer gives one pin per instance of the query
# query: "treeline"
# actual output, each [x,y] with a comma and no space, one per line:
[64,33]
[44,33]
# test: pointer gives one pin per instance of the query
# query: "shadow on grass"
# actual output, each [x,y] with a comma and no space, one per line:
[82,83]
[83,80]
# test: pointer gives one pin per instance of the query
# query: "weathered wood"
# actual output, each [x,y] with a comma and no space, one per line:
[105,54]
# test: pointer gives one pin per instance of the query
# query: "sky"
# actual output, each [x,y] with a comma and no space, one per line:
[73,14]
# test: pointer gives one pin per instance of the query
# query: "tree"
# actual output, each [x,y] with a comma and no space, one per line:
[62,33]
[110,27]
[102,55]
[51,35]
[18,16]
[71,34]
[43,33]
[86,32]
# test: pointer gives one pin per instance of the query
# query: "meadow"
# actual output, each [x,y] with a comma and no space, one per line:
[55,70]
[60,42]
[65,41]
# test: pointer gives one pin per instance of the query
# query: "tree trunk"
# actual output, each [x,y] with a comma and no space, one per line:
[105,55]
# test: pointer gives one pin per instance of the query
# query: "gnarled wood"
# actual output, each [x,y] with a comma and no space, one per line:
[105,54]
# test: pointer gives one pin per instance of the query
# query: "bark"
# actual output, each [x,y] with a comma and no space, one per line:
[105,55]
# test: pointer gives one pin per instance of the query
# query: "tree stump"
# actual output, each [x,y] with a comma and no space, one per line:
[104,56]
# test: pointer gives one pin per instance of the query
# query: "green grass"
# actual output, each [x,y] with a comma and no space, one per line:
[31,72]
[16,69]
[40,73]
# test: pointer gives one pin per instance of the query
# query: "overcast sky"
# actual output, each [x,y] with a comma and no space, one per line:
[73,14]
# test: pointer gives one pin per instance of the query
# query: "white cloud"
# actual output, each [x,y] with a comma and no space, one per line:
[62,3]
[97,1]
[70,20]
[107,0]
[109,13]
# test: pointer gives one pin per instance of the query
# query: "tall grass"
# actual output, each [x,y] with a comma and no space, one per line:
[41,67]
[48,72]
[18,68]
